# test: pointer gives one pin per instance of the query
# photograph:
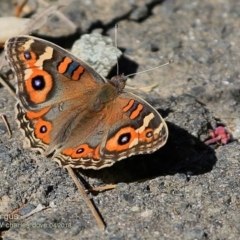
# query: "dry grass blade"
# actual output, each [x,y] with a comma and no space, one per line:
[39,208]
[101,189]
[86,198]
[143,89]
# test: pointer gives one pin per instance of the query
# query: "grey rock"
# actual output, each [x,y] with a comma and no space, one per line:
[98,51]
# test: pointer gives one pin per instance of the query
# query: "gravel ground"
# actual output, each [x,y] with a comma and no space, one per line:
[186,190]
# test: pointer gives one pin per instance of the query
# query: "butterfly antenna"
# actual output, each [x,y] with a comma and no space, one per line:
[116,45]
[165,64]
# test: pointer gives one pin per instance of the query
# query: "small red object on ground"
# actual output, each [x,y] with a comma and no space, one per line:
[220,135]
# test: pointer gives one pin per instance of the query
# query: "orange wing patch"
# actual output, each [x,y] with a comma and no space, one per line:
[34,115]
[128,106]
[42,130]
[127,138]
[63,66]
[28,62]
[38,96]
[83,151]
[77,73]
[136,112]
[122,139]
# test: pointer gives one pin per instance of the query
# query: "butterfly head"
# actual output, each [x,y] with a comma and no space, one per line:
[118,82]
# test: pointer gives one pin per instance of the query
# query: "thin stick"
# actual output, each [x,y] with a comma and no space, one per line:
[8,88]
[20,8]
[71,24]
[6,124]
[86,198]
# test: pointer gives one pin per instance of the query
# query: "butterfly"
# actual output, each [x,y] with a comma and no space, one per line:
[67,111]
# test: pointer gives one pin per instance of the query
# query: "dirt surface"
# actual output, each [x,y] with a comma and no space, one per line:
[185,190]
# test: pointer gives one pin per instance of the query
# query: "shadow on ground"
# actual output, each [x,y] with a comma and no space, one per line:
[183,153]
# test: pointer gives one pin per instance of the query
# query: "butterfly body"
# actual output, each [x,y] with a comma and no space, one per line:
[67,110]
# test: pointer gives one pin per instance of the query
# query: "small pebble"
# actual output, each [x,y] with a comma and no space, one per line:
[147,213]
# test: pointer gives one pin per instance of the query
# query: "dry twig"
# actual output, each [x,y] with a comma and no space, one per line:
[86,198]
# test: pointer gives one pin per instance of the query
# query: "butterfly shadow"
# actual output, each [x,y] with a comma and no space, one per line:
[183,153]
